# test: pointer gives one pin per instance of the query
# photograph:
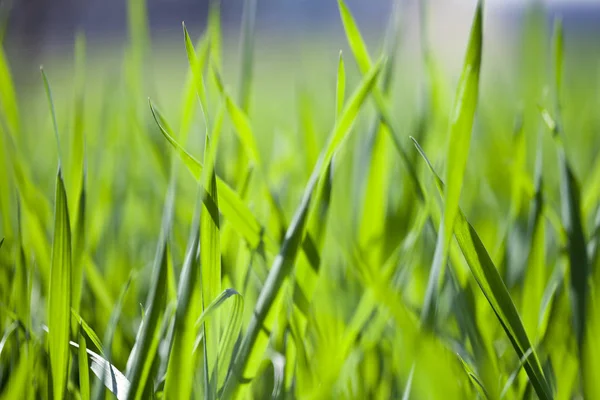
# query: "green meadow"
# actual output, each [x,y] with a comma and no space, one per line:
[386,226]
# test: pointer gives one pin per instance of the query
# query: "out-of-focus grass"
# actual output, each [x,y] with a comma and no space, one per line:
[264,226]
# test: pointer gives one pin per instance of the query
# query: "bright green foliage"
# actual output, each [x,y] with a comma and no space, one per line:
[59,293]
[264,228]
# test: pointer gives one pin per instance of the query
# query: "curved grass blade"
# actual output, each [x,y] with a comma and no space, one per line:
[87,329]
[12,328]
[284,262]
[59,293]
[231,205]
[485,273]
[84,375]
[461,125]
[475,380]
[112,378]
[144,352]
[515,373]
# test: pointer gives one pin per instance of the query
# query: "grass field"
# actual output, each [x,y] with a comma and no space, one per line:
[379,228]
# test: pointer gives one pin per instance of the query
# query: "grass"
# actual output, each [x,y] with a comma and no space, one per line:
[377,245]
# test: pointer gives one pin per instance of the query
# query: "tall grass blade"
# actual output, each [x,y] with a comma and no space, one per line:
[485,273]
[59,293]
[461,125]
[340,92]
[210,264]
[84,374]
[284,262]
[182,360]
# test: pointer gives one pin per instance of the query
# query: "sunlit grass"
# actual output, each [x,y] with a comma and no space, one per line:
[371,231]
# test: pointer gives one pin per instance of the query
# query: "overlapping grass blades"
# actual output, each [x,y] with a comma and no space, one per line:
[284,262]
[485,273]
[143,354]
[459,140]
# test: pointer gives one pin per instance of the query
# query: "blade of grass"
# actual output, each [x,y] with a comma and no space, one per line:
[79,244]
[485,273]
[231,205]
[535,273]
[285,260]
[77,320]
[180,369]
[84,375]
[210,264]
[340,92]
[59,293]
[460,128]
[361,56]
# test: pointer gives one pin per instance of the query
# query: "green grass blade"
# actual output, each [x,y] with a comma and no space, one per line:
[196,66]
[79,244]
[535,273]
[231,205]
[180,369]
[52,112]
[286,258]
[363,61]
[77,320]
[84,375]
[59,293]
[143,355]
[210,263]
[461,125]
[490,282]
[357,44]
[16,387]
[340,91]
[8,99]
[244,130]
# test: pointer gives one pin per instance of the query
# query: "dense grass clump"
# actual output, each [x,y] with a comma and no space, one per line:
[175,257]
